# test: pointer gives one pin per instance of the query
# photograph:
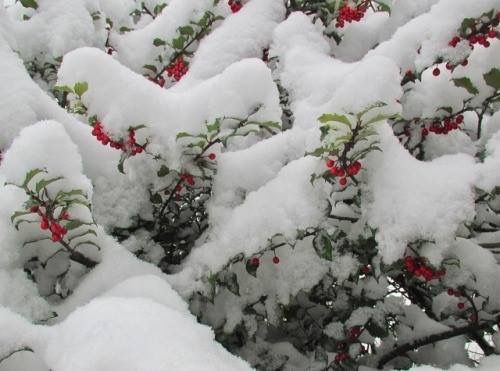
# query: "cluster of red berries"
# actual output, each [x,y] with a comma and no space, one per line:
[480,37]
[417,266]
[235,5]
[54,226]
[349,14]
[130,145]
[341,357]
[177,69]
[445,126]
[343,171]
[188,178]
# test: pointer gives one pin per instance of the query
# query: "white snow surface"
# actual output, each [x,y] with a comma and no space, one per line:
[403,189]
[129,334]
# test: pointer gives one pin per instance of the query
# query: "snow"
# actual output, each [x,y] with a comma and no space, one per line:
[41,36]
[245,85]
[126,314]
[431,31]
[247,228]
[243,35]
[135,49]
[402,189]
[121,333]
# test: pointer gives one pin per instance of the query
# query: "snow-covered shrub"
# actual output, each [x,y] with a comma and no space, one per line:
[318,180]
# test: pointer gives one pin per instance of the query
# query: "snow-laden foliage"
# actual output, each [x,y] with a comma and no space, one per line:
[249,184]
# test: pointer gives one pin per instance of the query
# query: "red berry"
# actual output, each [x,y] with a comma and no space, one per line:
[44,224]
[34,208]
[473,317]
[461,305]
[343,181]
[211,156]
[276,260]
[353,169]
[425,132]
[465,62]
[56,237]
[492,34]
[255,261]
[436,71]
[451,292]
[365,269]
[449,66]
[459,119]
[355,332]
[330,163]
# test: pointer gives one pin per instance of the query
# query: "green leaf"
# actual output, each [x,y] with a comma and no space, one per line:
[383,7]
[186,30]
[18,214]
[31,174]
[63,89]
[159,42]
[124,29]
[214,127]
[182,134]
[492,78]
[74,192]
[80,88]
[163,171]
[45,182]
[29,4]
[73,224]
[376,330]
[447,109]
[158,8]
[327,248]
[328,117]
[88,242]
[467,23]
[121,162]
[88,231]
[231,283]
[465,83]
[178,42]
[379,117]
[271,124]
[151,68]
[318,152]
[155,198]
[251,269]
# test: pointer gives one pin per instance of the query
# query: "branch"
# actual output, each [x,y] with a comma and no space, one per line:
[78,256]
[403,349]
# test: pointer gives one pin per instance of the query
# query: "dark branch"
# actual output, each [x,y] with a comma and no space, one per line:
[403,349]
